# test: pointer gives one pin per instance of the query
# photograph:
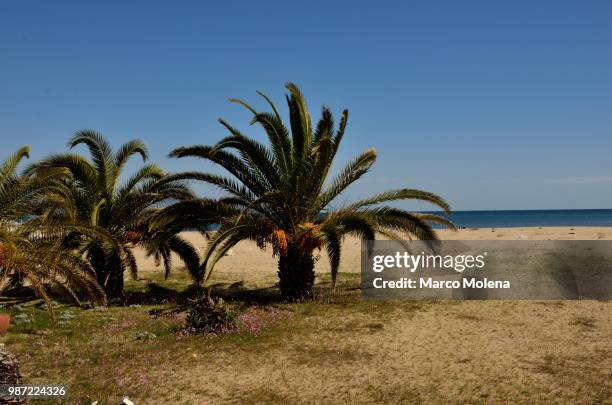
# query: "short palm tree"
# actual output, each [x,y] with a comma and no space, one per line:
[30,243]
[282,195]
[121,209]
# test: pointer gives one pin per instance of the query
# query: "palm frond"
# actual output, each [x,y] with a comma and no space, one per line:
[130,149]
[402,194]
[100,151]
[189,255]
[9,166]
[350,174]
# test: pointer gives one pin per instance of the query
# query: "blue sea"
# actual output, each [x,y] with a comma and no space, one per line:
[525,218]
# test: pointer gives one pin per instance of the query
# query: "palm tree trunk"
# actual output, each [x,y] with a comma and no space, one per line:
[296,274]
[114,283]
[109,272]
[98,262]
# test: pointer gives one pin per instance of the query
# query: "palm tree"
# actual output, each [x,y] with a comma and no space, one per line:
[282,195]
[122,209]
[30,243]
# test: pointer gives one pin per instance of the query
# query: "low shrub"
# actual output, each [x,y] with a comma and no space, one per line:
[210,315]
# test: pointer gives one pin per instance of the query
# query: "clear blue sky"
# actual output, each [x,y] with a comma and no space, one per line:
[494,105]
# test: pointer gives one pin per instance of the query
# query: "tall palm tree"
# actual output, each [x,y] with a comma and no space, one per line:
[283,195]
[121,208]
[30,243]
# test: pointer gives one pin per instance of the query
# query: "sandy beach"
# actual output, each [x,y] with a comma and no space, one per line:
[247,263]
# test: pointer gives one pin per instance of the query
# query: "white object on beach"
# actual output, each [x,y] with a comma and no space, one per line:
[126,401]
[523,236]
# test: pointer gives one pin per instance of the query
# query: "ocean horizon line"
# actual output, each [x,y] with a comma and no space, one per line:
[521,210]
[593,217]
[529,218]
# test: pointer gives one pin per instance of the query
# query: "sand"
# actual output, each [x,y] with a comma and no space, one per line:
[247,263]
[441,352]
[447,352]
[419,352]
